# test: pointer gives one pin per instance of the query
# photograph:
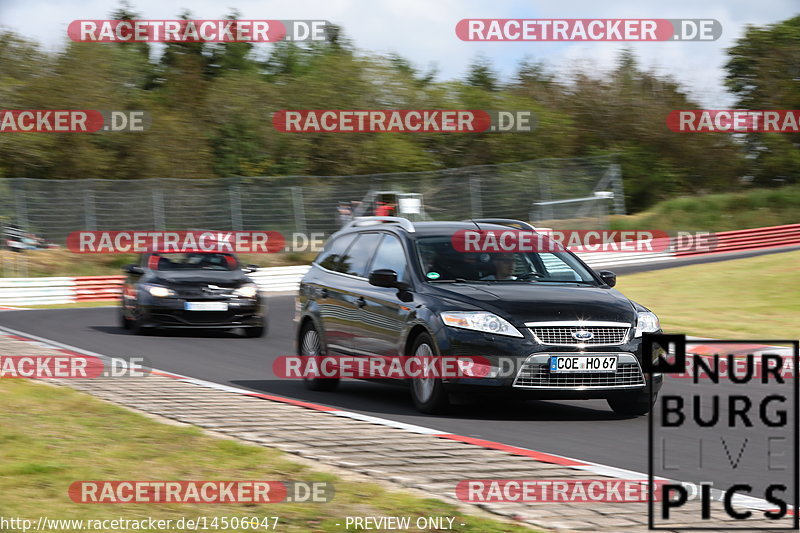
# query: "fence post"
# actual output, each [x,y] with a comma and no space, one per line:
[616,186]
[158,207]
[234,192]
[22,211]
[545,193]
[475,196]
[299,210]
[88,210]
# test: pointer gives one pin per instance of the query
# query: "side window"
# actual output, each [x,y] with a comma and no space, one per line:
[390,255]
[358,255]
[331,255]
[557,268]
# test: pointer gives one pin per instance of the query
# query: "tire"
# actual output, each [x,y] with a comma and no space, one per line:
[253,332]
[429,394]
[136,327]
[311,345]
[123,322]
[631,403]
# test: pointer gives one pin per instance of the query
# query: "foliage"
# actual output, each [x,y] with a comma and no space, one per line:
[211,106]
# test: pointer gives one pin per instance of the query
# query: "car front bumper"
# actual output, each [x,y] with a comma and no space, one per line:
[170,313]
[520,366]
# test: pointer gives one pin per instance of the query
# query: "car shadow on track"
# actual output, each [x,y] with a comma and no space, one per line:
[193,333]
[383,400]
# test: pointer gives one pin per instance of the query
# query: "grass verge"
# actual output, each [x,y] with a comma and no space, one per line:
[52,436]
[757,297]
[719,212]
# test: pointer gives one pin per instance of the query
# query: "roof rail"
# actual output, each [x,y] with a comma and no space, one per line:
[518,224]
[371,221]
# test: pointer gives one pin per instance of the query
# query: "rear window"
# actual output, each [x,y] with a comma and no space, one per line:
[358,255]
[391,256]
[330,257]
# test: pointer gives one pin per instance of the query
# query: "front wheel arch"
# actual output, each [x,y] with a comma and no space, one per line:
[411,338]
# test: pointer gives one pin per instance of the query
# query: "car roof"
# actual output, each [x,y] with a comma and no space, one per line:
[436,228]
[431,228]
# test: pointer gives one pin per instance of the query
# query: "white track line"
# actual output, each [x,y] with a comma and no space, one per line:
[588,466]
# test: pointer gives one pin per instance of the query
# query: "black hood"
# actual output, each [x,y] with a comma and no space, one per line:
[223,278]
[530,302]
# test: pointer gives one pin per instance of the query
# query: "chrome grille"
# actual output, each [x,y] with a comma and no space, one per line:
[562,335]
[538,375]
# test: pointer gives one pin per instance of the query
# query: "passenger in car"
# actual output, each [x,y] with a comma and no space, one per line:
[503,267]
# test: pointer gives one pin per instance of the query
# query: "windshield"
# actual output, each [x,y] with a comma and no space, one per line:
[192,261]
[441,262]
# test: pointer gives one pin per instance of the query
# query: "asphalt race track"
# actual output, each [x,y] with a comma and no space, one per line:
[586,430]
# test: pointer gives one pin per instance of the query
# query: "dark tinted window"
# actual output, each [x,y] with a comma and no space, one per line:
[331,255]
[191,261]
[390,255]
[359,254]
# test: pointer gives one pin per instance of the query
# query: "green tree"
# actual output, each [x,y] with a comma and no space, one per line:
[764,73]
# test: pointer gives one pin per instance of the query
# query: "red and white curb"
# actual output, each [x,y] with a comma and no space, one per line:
[560,460]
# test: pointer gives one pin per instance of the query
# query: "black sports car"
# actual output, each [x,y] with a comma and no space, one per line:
[191,290]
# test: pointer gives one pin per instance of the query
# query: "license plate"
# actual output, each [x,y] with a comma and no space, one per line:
[205,306]
[583,363]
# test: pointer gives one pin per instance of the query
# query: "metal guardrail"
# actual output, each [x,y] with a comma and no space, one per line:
[64,290]
[56,290]
[751,239]
[279,279]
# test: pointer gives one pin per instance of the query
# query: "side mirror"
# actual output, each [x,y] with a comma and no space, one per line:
[384,278]
[133,269]
[608,277]
[250,268]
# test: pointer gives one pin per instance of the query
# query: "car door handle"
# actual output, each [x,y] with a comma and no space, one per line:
[322,293]
[361,302]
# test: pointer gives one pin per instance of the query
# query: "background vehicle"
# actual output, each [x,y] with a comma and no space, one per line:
[385,286]
[191,290]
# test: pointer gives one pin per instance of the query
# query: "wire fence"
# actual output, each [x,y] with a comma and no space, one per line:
[539,191]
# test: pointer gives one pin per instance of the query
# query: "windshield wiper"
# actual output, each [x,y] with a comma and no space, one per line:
[529,275]
[457,280]
[578,281]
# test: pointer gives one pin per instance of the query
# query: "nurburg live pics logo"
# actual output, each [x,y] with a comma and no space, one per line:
[738,428]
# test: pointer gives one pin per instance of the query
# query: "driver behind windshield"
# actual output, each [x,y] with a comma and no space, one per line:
[503,267]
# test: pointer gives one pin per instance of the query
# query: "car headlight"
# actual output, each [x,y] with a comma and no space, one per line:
[158,291]
[247,291]
[479,321]
[646,322]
